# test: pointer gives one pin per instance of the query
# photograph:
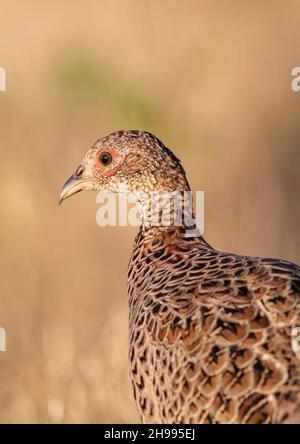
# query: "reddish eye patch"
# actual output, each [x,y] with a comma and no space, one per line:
[108,161]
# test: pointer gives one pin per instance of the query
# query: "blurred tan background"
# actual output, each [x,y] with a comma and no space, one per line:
[213,80]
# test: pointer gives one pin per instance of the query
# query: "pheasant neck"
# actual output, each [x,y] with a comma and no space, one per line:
[168,214]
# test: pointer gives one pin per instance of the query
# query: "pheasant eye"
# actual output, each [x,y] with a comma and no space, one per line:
[105,158]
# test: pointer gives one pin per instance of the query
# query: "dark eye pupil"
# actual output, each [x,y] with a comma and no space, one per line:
[105,158]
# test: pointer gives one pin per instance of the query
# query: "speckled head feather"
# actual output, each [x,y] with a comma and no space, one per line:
[138,161]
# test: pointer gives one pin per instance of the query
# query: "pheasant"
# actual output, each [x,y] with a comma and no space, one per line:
[210,333]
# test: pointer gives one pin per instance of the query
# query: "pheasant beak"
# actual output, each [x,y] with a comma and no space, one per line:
[73,185]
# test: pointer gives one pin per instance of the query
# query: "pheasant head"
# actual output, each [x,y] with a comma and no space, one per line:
[132,161]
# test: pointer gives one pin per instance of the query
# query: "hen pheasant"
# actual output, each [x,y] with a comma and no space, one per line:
[211,333]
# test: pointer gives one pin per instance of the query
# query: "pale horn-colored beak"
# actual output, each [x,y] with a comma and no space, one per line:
[73,185]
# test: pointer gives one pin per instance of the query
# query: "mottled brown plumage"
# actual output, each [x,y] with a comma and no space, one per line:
[210,332]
